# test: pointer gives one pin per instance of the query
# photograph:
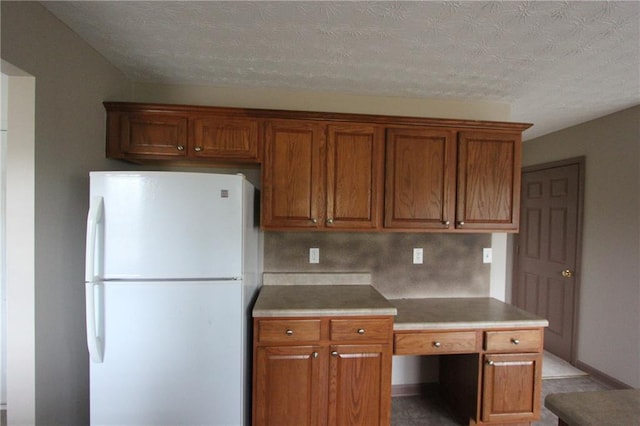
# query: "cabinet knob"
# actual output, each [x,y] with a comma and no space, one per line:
[461,223]
[436,344]
[314,354]
[198,148]
[314,220]
[446,223]
[289,332]
[330,221]
[180,147]
[361,331]
[334,354]
[515,341]
[490,362]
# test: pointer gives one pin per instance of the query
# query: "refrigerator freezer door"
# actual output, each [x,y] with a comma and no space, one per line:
[168,225]
[173,354]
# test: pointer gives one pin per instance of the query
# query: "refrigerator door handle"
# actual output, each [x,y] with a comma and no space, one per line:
[94,218]
[94,342]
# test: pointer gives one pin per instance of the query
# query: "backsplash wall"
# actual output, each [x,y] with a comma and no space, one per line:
[452,262]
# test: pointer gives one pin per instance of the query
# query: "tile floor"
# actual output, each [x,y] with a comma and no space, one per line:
[429,409]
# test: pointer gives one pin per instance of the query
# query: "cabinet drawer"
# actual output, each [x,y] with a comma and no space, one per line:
[513,341]
[278,331]
[435,343]
[361,329]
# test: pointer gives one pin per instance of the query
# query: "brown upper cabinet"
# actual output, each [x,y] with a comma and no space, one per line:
[488,181]
[420,179]
[435,181]
[146,132]
[345,172]
[318,175]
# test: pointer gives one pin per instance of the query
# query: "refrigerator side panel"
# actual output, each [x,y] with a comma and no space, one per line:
[251,243]
[252,274]
[170,225]
[170,354]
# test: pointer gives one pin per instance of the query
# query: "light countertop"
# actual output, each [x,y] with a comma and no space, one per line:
[293,300]
[461,313]
[321,300]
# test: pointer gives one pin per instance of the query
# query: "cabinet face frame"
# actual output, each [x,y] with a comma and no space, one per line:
[344,180]
[150,134]
[343,364]
[473,379]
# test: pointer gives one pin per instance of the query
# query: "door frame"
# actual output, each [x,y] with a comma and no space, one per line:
[580,162]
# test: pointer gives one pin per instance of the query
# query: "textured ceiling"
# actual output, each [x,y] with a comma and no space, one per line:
[556,63]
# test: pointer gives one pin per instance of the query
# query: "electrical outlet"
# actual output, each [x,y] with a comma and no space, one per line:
[314,255]
[418,256]
[487,255]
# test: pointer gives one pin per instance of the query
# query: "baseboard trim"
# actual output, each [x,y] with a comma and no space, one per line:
[602,377]
[414,389]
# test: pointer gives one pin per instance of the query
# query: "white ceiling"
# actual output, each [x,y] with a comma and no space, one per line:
[556,63]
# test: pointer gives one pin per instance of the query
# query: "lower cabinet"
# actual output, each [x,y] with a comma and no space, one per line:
[288,385]
[511,375]
[344,381]
[487,376]
[359,377]
[511,387]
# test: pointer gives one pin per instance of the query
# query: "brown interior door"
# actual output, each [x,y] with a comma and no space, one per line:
[547,256]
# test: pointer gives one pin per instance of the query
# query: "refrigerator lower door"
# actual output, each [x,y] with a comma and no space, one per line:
[173,354]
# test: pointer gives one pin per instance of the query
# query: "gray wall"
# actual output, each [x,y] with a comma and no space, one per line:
[72,81]
[609,317]
[452,263]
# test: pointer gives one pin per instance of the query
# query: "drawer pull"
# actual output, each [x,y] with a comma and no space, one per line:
[436,344]
[361,331]
[515,341]
[334,354]
[489,362]
[315,354]
[289,332]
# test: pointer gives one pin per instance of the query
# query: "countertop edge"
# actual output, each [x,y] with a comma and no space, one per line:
[467,325]
[273,313]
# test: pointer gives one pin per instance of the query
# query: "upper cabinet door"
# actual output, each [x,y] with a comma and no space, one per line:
[149,134]
[292,175]
[488,181]
[225,137]
[354,176]
[420,179]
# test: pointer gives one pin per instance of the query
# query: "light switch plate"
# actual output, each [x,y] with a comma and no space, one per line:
[314,255]
[487,255]
[418,256]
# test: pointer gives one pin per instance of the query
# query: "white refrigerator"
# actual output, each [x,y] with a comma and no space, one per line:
[173,263]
